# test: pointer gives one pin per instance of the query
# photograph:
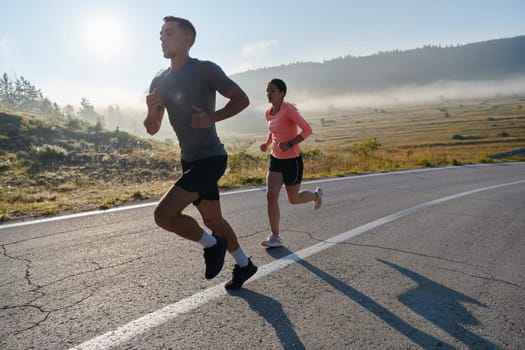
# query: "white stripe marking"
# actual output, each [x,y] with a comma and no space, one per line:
[170,312]
[149,204]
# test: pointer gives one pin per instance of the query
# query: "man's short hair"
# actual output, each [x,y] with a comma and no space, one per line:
[184,24]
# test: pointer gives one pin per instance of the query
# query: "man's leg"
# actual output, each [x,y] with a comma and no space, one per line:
[169,216]
[168,213]
[213,219]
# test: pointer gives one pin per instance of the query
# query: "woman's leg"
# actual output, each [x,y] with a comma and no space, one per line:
[296,196]
[274,182]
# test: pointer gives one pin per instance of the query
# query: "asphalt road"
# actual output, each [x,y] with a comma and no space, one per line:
[429,259]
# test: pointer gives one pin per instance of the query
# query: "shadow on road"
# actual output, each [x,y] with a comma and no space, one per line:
[443,307]
[452,314]
[272,311]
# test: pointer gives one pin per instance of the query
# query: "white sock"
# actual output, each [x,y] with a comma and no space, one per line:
[207,240]
[240,258]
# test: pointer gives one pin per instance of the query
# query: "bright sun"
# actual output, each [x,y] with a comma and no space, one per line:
[104,37]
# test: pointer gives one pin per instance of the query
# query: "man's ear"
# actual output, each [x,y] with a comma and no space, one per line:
[188,40]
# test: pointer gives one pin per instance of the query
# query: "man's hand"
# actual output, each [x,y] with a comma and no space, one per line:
[155,113]
[153,101]
[199,118]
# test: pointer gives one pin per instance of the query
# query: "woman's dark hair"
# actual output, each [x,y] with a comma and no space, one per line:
[279,83]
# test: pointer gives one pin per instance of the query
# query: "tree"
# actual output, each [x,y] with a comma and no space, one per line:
[6,91]
[69,111]
[87,112]
[113,116]
[23,96]
[27,96]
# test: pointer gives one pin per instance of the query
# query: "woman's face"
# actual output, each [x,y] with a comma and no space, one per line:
[273,94]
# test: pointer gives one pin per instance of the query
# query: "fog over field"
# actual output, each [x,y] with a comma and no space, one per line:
[413,94]
[251,121]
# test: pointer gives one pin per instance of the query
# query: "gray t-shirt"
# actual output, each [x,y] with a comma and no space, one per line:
[195,83]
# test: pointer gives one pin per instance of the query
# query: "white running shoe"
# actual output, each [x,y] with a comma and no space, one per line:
[273,241]
[319,200]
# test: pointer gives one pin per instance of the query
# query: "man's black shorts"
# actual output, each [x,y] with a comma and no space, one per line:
[202,176]
[292,169]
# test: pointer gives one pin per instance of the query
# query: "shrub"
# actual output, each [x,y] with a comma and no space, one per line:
[424,162]
[252,180]
[137,195]
[74,124]
[243,160]
[311,154]
[366,148]
[50,153]
[5,217]
[4,166]
[107,203]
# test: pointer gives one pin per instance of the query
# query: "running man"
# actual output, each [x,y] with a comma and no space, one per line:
[187,90]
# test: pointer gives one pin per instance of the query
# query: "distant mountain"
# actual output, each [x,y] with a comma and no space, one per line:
[489,60]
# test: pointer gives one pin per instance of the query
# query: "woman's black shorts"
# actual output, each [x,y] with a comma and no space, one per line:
[292,169]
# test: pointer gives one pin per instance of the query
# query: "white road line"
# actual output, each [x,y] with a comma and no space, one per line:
[170,312]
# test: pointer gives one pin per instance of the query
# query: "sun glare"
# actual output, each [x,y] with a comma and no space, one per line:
[104,37]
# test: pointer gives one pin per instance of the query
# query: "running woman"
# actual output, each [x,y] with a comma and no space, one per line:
[286,162]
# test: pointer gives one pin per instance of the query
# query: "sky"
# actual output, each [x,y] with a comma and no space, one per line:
[108,51]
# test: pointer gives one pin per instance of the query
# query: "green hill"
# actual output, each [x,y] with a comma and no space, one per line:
[43,161]
[492,60]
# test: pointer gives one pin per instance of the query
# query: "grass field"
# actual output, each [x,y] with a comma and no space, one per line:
[358,141]
[479,122]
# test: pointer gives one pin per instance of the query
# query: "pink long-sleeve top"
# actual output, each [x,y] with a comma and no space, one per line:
[283,127]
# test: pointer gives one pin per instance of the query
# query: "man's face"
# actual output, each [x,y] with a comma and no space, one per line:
[174,41]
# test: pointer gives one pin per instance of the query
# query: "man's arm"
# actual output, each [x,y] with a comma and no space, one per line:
[238,100]
[153,119]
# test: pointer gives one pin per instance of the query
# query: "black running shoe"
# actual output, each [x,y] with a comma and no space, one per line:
[214,257]
[241,275]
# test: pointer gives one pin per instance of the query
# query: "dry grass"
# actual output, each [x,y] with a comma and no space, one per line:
[452,131]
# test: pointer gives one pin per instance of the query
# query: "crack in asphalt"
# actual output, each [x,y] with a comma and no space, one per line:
[491,278]
[46,313]
[27,262]
[38,289]
[99,239]
[35,289]
[58,233]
